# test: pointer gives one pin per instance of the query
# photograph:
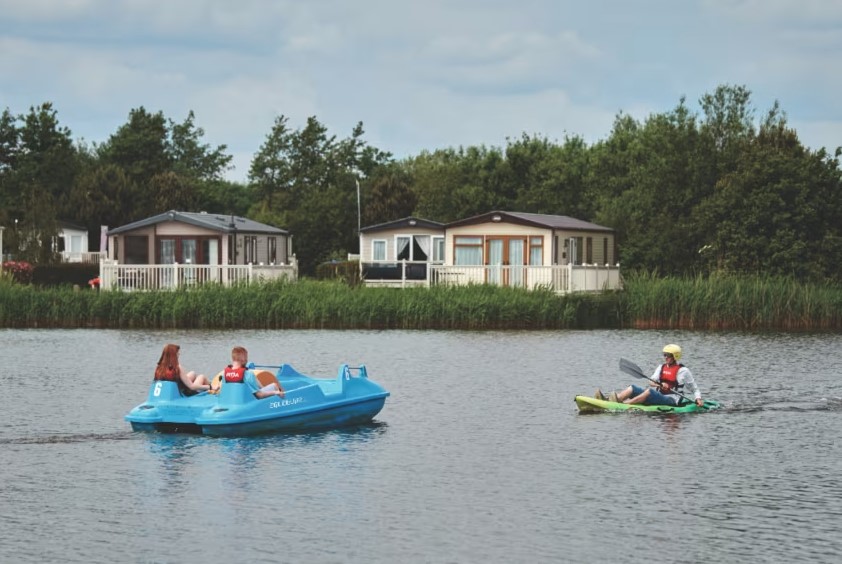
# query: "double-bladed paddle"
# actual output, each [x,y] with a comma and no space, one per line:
[629,367]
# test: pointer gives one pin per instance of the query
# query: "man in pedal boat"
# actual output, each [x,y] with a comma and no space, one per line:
[671,377]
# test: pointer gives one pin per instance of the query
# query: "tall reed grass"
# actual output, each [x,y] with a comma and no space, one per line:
[648,301]
[731,302]
[304,305]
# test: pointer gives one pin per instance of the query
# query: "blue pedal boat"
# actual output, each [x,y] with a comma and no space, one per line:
[309,404]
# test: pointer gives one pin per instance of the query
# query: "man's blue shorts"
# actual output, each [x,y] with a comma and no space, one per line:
[656,397]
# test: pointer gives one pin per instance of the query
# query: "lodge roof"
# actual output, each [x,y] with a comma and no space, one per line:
[404,222]
[216,222]
[559,222]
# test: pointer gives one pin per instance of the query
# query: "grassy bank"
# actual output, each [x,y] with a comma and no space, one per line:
[647,302]
[305,305]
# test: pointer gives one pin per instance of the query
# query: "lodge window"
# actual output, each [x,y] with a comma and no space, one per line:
[467,251]
[536,251]
[272,254]
[438,249]
[378,249]
[137,249]
[412,247]
[577,251]
[250,249]
[187,250]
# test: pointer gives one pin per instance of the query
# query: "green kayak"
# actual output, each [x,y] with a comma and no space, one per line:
[588,404]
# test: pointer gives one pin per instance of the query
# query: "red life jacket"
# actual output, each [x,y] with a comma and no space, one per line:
[669,376]
[234,375]
[170,374]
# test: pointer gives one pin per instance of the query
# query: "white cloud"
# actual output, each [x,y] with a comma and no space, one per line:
[785,12]
[418,75]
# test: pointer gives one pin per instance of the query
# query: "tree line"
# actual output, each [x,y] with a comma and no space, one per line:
[688,193]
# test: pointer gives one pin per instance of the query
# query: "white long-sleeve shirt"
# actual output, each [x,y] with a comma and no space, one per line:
[684,377]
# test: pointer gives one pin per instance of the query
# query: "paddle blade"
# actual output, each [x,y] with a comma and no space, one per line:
[629,367]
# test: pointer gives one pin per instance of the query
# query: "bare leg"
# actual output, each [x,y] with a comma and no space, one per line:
[198,379]
[625,394]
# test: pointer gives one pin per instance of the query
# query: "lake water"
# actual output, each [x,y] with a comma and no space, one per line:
[478,456]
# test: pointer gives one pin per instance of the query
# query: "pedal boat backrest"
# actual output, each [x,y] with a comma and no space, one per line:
[265,377]
[163,390]
[234,393]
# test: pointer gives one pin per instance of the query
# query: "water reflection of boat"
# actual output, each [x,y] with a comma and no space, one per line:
[308,404]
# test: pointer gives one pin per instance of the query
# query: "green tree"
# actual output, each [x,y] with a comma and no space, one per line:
[98,196]
[226,197]
[780,211]
[270,172]
[305,182]
[166,163]
[452,184]
[191,158]
[388,196]
[140,148]
[38,165]
[551,178]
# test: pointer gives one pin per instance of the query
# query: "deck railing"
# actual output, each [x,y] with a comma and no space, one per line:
[131,277]
[86,257]
[396,273]
[560,279]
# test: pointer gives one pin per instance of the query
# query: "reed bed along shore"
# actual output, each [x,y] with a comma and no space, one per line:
[303,305]
[717,303]
[752,303]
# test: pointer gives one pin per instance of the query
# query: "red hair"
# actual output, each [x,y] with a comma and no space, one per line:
[168,362]
[239,354]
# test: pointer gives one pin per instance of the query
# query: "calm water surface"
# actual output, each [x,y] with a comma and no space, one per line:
[478,456]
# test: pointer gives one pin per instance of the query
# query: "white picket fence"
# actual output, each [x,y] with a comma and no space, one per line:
[132,277]
[560,279]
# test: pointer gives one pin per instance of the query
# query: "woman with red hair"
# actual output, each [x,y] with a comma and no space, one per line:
[169,368]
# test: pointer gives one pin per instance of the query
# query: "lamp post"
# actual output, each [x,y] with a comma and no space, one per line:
[359,214]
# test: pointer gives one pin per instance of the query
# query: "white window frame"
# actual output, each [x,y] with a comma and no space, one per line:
[438,248]
[398,247]
[374,244]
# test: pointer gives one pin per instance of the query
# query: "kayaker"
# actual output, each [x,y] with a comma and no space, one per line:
[237,371]
[169,368]
[671,378]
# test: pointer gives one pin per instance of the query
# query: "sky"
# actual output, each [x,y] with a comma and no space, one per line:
[418,75]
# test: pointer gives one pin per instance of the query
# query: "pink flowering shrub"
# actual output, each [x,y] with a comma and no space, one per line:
[20,271]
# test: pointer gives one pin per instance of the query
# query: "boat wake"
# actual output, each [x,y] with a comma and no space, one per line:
[60,439]
[818,404]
